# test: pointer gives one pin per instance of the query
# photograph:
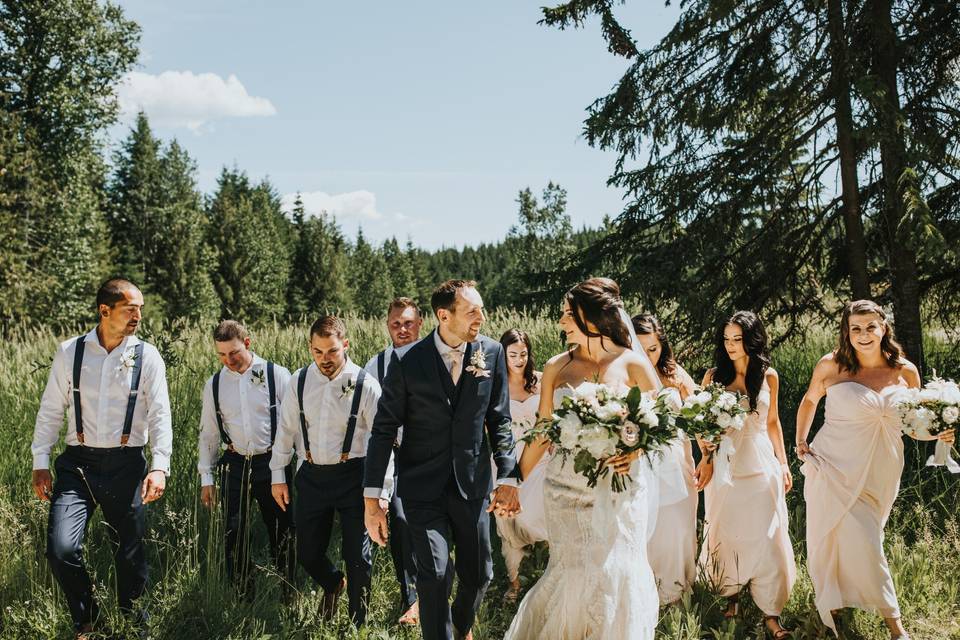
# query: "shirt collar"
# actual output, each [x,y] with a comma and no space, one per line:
[444,348]
[348,369]
[128,341]
[256,362]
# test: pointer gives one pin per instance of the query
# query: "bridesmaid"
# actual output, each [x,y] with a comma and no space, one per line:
[853,466]
[672,548]
[529,526]
[746,541]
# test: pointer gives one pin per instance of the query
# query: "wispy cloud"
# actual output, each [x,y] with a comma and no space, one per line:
[186,99]
[352,204]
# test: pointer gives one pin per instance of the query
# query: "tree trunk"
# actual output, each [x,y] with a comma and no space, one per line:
[902,256]
[856,246]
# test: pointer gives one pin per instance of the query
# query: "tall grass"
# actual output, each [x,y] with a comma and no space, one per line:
[191,598]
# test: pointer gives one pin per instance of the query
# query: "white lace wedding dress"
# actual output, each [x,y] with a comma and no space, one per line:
[598,584]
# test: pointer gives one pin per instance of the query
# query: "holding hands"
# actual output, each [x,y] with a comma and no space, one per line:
[505,501]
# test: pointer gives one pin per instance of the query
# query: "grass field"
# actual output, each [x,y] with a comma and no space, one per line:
[190,597]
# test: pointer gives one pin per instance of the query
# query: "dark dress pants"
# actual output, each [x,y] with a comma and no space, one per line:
[401,549]
[244,480]
[109,478]
[436,528]
[322,492]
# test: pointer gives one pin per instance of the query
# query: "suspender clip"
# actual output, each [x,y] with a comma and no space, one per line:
[344,457]
[80,438]
[309,457]
[124,439]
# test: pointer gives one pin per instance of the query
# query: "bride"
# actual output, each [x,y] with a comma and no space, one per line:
[598,583]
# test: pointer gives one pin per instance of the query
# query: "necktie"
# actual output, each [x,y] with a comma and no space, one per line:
[455,367]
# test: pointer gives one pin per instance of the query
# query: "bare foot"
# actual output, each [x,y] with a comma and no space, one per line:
[412,615]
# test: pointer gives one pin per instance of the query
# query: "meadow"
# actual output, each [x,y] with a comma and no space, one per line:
[190,597]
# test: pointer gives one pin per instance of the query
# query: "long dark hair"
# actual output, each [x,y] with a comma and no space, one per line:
[513,336]
[598,302]
[646,324]
[846,357]
[755,345]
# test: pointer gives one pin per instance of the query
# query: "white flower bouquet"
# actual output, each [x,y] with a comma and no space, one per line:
[597,422]
[710,414]
[927,412]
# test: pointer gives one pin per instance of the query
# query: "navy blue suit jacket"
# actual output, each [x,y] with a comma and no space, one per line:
[446,428]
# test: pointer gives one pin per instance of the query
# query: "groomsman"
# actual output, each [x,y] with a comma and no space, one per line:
[241,411]
[116,390]
[404,324]
[326,414]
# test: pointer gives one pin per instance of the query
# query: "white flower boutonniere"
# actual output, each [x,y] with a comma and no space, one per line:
[128,359]
[258,376]
[478,364]
[348,388]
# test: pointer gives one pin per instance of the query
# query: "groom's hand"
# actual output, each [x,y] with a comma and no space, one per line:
[506,501]
[375,519]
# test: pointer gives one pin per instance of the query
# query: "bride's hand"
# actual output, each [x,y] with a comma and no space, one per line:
[949,436]
[621,464]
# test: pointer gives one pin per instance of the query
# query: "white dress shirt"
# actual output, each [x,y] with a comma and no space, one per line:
[446,353]
[104,392]
[326,405]
[245,406]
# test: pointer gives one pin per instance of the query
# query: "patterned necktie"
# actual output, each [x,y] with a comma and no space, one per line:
[455,367]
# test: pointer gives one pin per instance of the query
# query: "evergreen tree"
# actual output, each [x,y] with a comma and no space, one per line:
[181,274]
[245,232]
[136,224]
[318,278]
[400,269]
[726,130]
[59,63]
[369,278]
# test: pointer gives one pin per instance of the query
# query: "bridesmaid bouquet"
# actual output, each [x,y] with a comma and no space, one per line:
[597,422]
[927,412]
[708,415]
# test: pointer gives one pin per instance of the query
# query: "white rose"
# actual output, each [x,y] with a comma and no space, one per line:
[703,397]
[611,410]
[923,420]
[950,393]
[724,420]
[650,418]
[727,401]
[598,442]
[737,421]
[570,426]
[950,414]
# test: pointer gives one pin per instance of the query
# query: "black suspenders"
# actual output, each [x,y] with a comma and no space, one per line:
[131,399]
[351,421]
[272,390]
[381,362]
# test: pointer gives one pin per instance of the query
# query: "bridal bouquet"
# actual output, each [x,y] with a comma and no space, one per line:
[927,412]
[708,415]
[597,422]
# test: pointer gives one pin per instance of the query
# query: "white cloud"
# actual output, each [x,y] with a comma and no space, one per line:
[186,99]
[353,204]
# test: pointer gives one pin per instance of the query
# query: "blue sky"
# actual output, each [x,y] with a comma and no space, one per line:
[410,119]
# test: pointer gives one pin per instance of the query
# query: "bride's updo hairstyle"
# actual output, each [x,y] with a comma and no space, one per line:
[598,302]
[846,356]
[755,346]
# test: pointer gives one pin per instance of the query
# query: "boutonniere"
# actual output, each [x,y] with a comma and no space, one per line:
[258,376]
[348,388]
[128,359]
[478,364]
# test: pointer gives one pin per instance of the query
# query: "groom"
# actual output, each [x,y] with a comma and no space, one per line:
[444,389]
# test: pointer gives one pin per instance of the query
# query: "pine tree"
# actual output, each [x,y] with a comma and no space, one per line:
[245,233]
[370,281]
[318,277]
[402,279]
